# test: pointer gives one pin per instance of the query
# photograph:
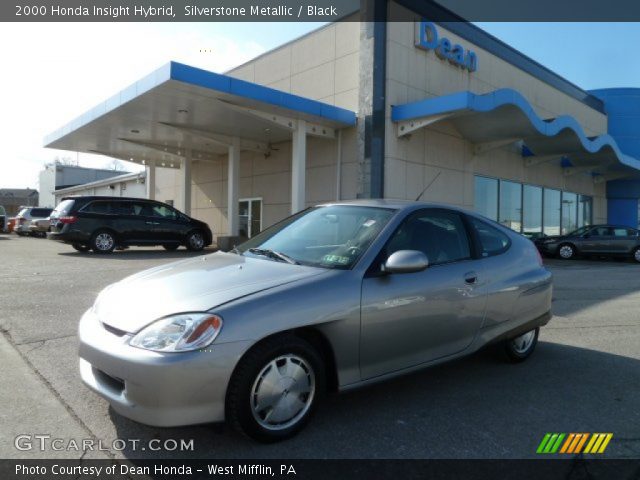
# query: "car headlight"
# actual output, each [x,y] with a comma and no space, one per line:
[179,333]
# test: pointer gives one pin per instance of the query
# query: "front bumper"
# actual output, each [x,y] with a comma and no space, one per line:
[547,248]
[159,389]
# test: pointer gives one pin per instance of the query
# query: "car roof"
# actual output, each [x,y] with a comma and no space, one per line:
[396,204]
[104,197]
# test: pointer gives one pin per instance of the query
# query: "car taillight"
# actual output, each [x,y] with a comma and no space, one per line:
[68,219]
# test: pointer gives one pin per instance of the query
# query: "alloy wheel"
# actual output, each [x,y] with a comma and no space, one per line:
[104,242]
[196,241]
[566,251]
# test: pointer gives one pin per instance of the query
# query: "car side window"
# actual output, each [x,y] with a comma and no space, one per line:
[439,234]
[623,232]
[97,207]
[163,211]
[122,208]
[492,241]
[601,232]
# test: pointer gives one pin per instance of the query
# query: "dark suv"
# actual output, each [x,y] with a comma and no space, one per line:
[104,223]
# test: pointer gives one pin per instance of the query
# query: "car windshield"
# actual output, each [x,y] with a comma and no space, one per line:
[580,231]
[334,236]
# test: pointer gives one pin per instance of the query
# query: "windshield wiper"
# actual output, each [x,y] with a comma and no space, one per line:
[273,254]
[236,251]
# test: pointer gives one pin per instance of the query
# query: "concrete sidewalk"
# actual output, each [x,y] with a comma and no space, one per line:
[28,407]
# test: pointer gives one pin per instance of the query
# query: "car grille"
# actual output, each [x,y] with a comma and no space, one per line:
[113,383]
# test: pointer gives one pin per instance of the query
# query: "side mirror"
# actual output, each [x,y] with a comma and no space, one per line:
[406,261]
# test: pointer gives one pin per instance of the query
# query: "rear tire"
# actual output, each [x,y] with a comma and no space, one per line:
[636,255]
[195,241]
[275,389]
[103,241]
[81,248]
[520,348]
[170,247]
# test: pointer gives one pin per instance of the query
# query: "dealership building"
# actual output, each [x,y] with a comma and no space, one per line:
[360,109]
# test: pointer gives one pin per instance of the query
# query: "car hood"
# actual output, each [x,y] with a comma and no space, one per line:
[194,285]
[549,237]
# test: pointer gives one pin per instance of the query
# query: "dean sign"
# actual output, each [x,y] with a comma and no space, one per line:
[427,38]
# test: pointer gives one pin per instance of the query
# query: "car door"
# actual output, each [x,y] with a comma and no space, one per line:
[597,240]
[130,222]
[622,240]
[412,318]
[169,225]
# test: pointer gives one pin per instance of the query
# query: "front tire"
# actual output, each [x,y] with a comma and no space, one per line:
[195,241]
[275,389]
[566,251]
[520,348]
[636,255]
[103,241]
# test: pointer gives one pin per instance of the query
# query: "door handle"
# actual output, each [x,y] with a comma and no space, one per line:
[470,277]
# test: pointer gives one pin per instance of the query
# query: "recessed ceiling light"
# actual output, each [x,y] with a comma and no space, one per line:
[163,164]
[144,162]
[131,159]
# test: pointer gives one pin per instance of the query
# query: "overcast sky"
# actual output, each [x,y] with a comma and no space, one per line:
[53,72]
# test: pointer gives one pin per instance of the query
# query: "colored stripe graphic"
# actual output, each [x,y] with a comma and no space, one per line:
[550,443]
[573,443]
[599,443]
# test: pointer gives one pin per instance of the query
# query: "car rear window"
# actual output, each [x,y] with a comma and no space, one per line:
[40,212]
[492,241]
[64,207]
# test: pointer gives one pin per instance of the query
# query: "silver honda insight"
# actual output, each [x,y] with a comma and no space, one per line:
[335,297]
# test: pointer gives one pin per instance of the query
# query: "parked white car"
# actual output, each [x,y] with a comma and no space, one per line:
[26,216]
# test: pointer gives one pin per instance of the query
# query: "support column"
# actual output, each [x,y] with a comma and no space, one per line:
[233,220]
[185,169]
[151,181]
[298,167]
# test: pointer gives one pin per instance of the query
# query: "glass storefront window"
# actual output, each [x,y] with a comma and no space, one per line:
[532,211]
[551,213]
[486,197]
[585,207]
[569,212]
[510,210]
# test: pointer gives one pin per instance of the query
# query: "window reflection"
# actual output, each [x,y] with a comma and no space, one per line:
[551,213]
[569,212]
[510,206]
[532,210]
[486,197]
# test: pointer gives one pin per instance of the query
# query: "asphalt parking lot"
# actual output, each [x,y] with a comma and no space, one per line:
[584,377]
